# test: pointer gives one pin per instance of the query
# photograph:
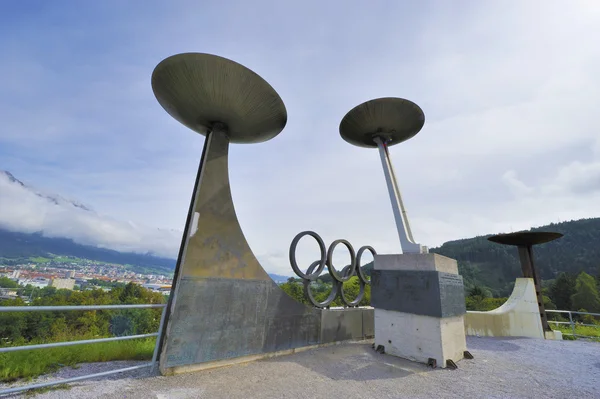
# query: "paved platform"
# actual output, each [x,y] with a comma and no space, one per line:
[502,368]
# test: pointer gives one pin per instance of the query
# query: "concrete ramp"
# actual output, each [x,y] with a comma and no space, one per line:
[519,316]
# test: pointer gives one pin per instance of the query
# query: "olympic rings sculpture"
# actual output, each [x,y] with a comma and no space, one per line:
[316,268]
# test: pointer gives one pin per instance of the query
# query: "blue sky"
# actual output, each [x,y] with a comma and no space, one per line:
[509,90]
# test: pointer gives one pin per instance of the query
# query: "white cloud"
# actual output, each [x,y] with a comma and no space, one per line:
[508,89]
[516,186]
[27,210]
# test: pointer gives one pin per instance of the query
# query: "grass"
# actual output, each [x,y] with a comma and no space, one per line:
[39,259]
[32,363]
[593,332]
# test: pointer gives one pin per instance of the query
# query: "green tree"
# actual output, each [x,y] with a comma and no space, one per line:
[476,298]
[21,328]
[586,294]
[5,282]
[351,291]
[294,290]
[562,290]
[478,291]
[548,304]
[12,324]
[483,304]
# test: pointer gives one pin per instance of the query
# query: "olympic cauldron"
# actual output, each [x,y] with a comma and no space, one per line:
[224,307]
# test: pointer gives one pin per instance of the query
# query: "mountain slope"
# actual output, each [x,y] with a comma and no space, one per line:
[495,266]
[26,209]
[17,246]
[52,198]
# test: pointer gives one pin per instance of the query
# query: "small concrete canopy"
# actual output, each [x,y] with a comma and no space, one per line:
[396,119]
[200,90]
[525,238]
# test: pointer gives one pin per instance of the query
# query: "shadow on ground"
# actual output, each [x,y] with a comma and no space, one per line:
[356,361]
[500,344]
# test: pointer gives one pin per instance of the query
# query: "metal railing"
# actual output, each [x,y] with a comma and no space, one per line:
[574,324]
[152,364]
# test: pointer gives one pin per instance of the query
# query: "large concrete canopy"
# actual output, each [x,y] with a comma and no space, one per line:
[525,238]
[396,119]
[200,89]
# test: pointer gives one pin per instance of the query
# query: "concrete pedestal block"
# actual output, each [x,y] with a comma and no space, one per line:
[553,335]
[419,307]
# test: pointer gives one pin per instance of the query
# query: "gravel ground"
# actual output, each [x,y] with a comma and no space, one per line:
[502,368]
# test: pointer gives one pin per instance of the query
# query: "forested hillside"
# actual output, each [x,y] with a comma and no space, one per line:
[495,266]
[15,247]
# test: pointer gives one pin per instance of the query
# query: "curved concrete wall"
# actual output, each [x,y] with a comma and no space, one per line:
[519,316]
[224,307]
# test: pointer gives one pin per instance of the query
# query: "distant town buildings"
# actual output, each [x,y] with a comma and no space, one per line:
[73,274]
[37,282]
[8,293]
[63,283]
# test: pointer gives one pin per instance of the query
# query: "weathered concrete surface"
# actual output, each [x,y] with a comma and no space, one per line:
[425,293]
[519,316]
[503,368]
[554,334]
[346,324]
[419,306]
[422,262]
[420,338]
[224,306]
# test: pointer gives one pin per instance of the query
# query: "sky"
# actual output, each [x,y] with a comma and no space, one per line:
[509,90]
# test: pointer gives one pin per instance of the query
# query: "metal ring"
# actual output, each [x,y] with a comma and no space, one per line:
[334,274]
[361,274]
[309,294]
[359,297]
[309,275]
[338,278]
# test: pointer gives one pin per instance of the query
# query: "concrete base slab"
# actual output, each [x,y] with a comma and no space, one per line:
[554,335]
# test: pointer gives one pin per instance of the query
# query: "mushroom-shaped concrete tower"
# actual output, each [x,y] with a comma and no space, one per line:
[524,241]
[217,277]
[381,123]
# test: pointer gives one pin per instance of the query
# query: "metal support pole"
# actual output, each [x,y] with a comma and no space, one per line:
[70,343]
[407,241]
[528,268]
[572,324]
